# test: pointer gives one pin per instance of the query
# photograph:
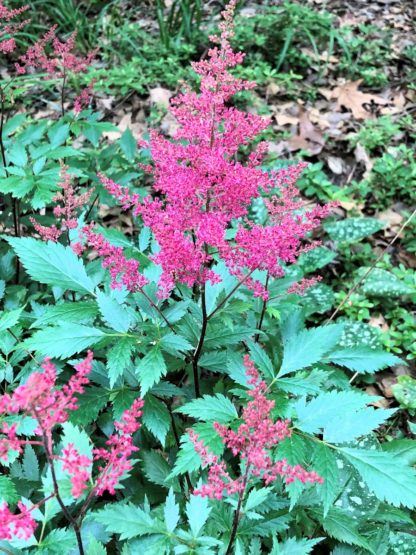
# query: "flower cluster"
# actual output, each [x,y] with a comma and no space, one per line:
[49,406]
[40,399]
[123,271]
[204,187]
[252,442]
[66,212]
[120,448]
[9,27]
[20,525]
[59,61]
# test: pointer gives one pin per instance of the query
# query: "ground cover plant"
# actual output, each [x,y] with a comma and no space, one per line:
[189,357]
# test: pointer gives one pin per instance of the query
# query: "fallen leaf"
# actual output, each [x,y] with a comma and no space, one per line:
[335,164]
[309,137]
[160,96]
[361,156]
[381,403]
[349,97]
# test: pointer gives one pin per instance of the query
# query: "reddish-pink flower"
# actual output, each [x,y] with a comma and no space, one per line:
[120,448]
[8,27]
[204,187]
[252,442]
[66,211]
[20,525]
[123,271]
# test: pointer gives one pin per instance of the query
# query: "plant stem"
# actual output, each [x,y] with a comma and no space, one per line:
[263,310]
[230,294]
[157,310]
[71,520]
[63,94]
[178,443]
[237,514]
[197,353]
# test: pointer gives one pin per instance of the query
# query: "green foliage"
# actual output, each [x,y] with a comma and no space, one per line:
[58,304]
[353,229]
[52,264]
[405,392]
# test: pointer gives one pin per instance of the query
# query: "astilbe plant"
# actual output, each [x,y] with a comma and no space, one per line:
[203,188]
[41,399]
[252,442]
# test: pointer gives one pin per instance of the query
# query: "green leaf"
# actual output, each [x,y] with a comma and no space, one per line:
[405,449]
[52,264]
[9,319]
[255,498]
[171,512]
[58,541]
[127,520]
[95,547]
[261,359]
[402,543]
[317,258]
[325,464]
[156,417]
[173,344]
[79,438]
[188,459]
[156,468]
[63,341]
[342,527]
[114,314]
[119,358]
[294,546]
[308,347]
[78,312]
[405,392]
[90,403]
[387,476]
[363,360]
[219,337]
[30,464]
[322,412]
[381,283]
[128,145]
[150,369]
[355,424]
[8,492]
[197,511]
[210,408]
[353,229]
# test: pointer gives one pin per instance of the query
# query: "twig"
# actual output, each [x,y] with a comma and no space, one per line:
[362,278]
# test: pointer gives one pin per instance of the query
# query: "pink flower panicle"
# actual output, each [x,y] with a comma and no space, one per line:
[202,188]
[59,61]
[120,448]
[40,399]
[20,525]
[252,442]
[303,285]
[84,98]
[8,27]
[123,271]
[78,467]
[66,212]
[49,406]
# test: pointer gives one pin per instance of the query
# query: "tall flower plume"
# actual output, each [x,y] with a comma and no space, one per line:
[203,186]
